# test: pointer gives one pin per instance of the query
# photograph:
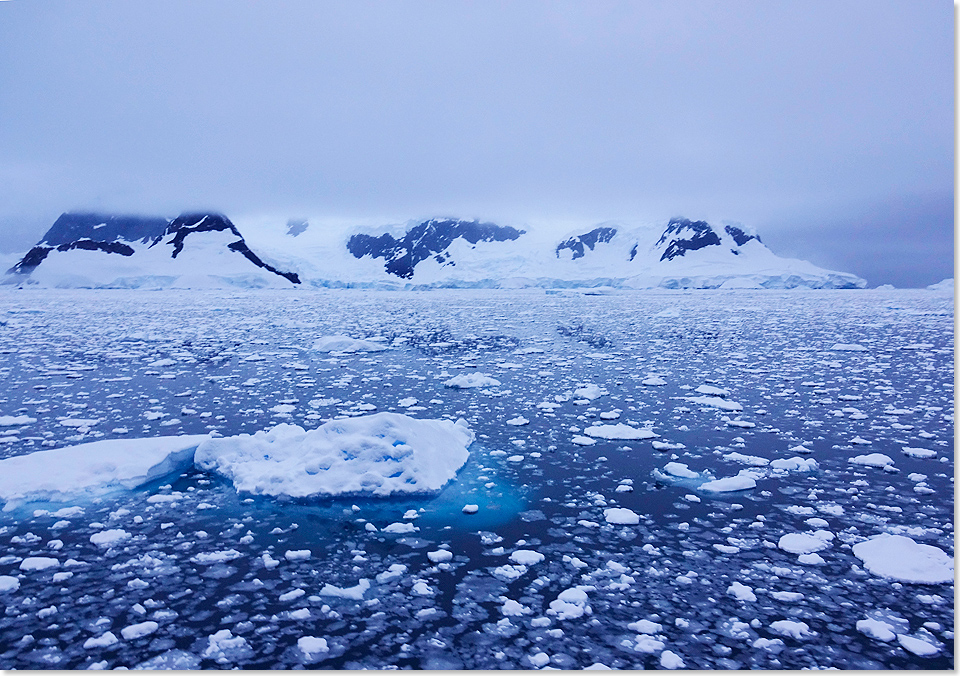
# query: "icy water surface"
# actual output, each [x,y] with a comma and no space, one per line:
[539,575]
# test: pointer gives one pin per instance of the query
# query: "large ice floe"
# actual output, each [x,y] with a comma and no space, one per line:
[380,454]
[93,468]
[901,558]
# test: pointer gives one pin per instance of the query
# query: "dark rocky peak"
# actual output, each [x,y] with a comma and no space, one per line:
[590,239]
[187,224]
[430,238]
[683,235]
[296,226]
[98,227]
[739,236]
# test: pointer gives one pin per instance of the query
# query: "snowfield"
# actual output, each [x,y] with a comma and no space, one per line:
[301,478]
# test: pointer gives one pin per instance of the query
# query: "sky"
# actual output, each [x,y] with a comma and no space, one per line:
[827,126]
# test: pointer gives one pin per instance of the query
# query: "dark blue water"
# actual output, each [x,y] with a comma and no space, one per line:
[159,363]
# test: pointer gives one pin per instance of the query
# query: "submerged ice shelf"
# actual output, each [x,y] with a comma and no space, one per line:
[577,532]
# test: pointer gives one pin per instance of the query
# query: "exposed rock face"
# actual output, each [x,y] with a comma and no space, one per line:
[590,239]
[428,239]
[683,235]
[72,227]
[739,236]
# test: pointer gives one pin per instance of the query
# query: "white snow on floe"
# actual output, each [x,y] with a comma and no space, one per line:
[805,543]
[619,431]
[467,380]
[95,467]
[716,402]
[872,460]
[621,515]
[745,480]
[346,344]
[848,347]
[380,454]
[901,558]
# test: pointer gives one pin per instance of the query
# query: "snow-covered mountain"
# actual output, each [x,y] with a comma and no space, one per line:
[208,250]
[191,250]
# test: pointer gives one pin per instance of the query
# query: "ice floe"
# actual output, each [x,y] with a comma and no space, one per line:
[381,454]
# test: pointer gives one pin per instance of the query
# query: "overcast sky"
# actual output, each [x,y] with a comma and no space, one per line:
[827,125]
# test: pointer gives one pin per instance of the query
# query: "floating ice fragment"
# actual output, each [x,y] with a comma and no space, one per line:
[671,660]
[440,555]
[876,629]
[589,391]
[11,420]
[792,628]
[526,557]
[581,440]
[741,592]
[95,467]
[8,583]
[105,640]
[712,391]
[901,558]
[470,509]
[872,460]
[917,646]
[311,645]
[346,344]
[354,593]
[380,454]
[518,421]
[919,452]
[570,604]
[805,543]
[716,402]
[743,481]
[619,431]
[653,381]
[621,515]
[108,538]
[139,630]
[38,563]
[468,380]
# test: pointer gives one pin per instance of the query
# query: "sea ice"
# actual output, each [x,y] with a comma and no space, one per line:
[901,558]
[619,431]
[467,380]
[346,344]
[94,467]
[380,454]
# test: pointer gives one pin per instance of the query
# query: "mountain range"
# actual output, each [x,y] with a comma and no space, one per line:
[91,250]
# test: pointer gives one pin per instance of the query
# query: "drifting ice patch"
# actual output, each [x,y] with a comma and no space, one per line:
[716,402]
[346,344]
[901,558]
[619,431]
[96,467]
[380,454]
[468,380]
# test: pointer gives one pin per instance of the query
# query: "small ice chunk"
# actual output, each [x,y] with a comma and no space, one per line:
[311,645]
[38,563]
[791,628]
[518,421]
[621,515]
[619,431]
[469,380]
[440,555]
[917,646]
[139,630]
[526,557]
[741,592]
[470,509]
[872,460]
[876,629]
[109,538]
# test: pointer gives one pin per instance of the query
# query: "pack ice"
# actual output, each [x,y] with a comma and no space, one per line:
[93,468]
[380,454]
